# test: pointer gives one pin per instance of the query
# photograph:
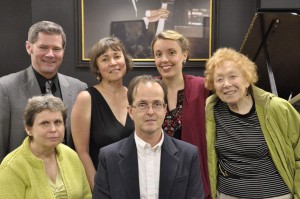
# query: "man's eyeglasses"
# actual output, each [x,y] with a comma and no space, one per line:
[156,106]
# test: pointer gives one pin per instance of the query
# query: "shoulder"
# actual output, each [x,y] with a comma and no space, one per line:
[194,88]
[194,79]
[281,106]
[183,151]
[13,158]
[193,83]
[115,147]
[212,99]
[72,80]
[62,148]
[69,160]
[122,146]
[84,97]
[269,100]
[185,145]
[182,146]
[17,163]
[66,153]
[11,78]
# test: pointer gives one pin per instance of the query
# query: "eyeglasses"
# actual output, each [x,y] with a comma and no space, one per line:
[156,106]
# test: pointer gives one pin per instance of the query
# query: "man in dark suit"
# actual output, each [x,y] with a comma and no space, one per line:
[46,44]
[149,163]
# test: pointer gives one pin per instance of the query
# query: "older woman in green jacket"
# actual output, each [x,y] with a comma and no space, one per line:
[253,137]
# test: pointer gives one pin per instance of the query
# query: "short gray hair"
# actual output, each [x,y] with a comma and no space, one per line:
[47,27]
[38,104]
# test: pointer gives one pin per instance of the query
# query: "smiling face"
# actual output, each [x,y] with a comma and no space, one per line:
[168,57]
[148,122]
[111,65]
[230,84]
[47,131]
[46,54]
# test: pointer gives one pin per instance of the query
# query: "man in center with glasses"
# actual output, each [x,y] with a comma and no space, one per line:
[149,164]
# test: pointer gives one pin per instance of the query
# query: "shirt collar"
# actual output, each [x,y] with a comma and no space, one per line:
[143,146]
[42,80]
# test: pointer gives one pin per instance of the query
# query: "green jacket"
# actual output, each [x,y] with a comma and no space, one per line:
[22,175]
[280,124]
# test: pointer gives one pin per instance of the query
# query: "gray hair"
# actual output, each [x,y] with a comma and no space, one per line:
[38,104]
[47,27]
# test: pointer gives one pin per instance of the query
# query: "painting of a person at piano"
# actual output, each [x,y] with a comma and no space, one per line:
[253,136]
[159,16]
[171,13]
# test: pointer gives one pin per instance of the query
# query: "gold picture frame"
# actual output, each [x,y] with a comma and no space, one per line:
[100,18]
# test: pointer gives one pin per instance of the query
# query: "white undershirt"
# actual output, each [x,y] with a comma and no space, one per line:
[149,167]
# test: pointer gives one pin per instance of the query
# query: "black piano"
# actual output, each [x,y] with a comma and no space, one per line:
[273,43]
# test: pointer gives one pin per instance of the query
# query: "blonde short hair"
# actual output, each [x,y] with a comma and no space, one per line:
[175,36]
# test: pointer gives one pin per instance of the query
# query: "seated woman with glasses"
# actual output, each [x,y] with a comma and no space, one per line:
[42,167]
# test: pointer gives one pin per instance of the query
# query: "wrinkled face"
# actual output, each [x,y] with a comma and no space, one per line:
[150,120]
[46,54]
[47,131]
[230,83]
[111,65]
[168,58]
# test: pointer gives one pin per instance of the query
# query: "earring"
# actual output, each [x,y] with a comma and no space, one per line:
[183,62]
[98,76]
[247,91]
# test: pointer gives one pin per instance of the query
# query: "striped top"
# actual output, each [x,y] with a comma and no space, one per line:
[244,154]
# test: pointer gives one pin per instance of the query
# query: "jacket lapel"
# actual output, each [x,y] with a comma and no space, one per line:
[168,169]
[129,167]
[30,84]
[66,91]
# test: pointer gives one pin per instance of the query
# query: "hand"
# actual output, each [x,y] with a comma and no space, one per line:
[155,15]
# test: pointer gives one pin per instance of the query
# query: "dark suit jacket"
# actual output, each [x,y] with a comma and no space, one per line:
[117,174]
[15,90]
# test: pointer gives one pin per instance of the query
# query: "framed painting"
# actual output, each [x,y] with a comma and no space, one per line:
[136,22]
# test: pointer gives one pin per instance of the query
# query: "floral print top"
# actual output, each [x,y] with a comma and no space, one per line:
[173,121]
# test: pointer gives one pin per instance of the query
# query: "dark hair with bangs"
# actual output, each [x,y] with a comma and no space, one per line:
[100,47]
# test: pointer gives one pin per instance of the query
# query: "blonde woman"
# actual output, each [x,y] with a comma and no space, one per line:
[185,118]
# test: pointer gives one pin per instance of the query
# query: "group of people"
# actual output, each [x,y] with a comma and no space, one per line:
[162,137]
